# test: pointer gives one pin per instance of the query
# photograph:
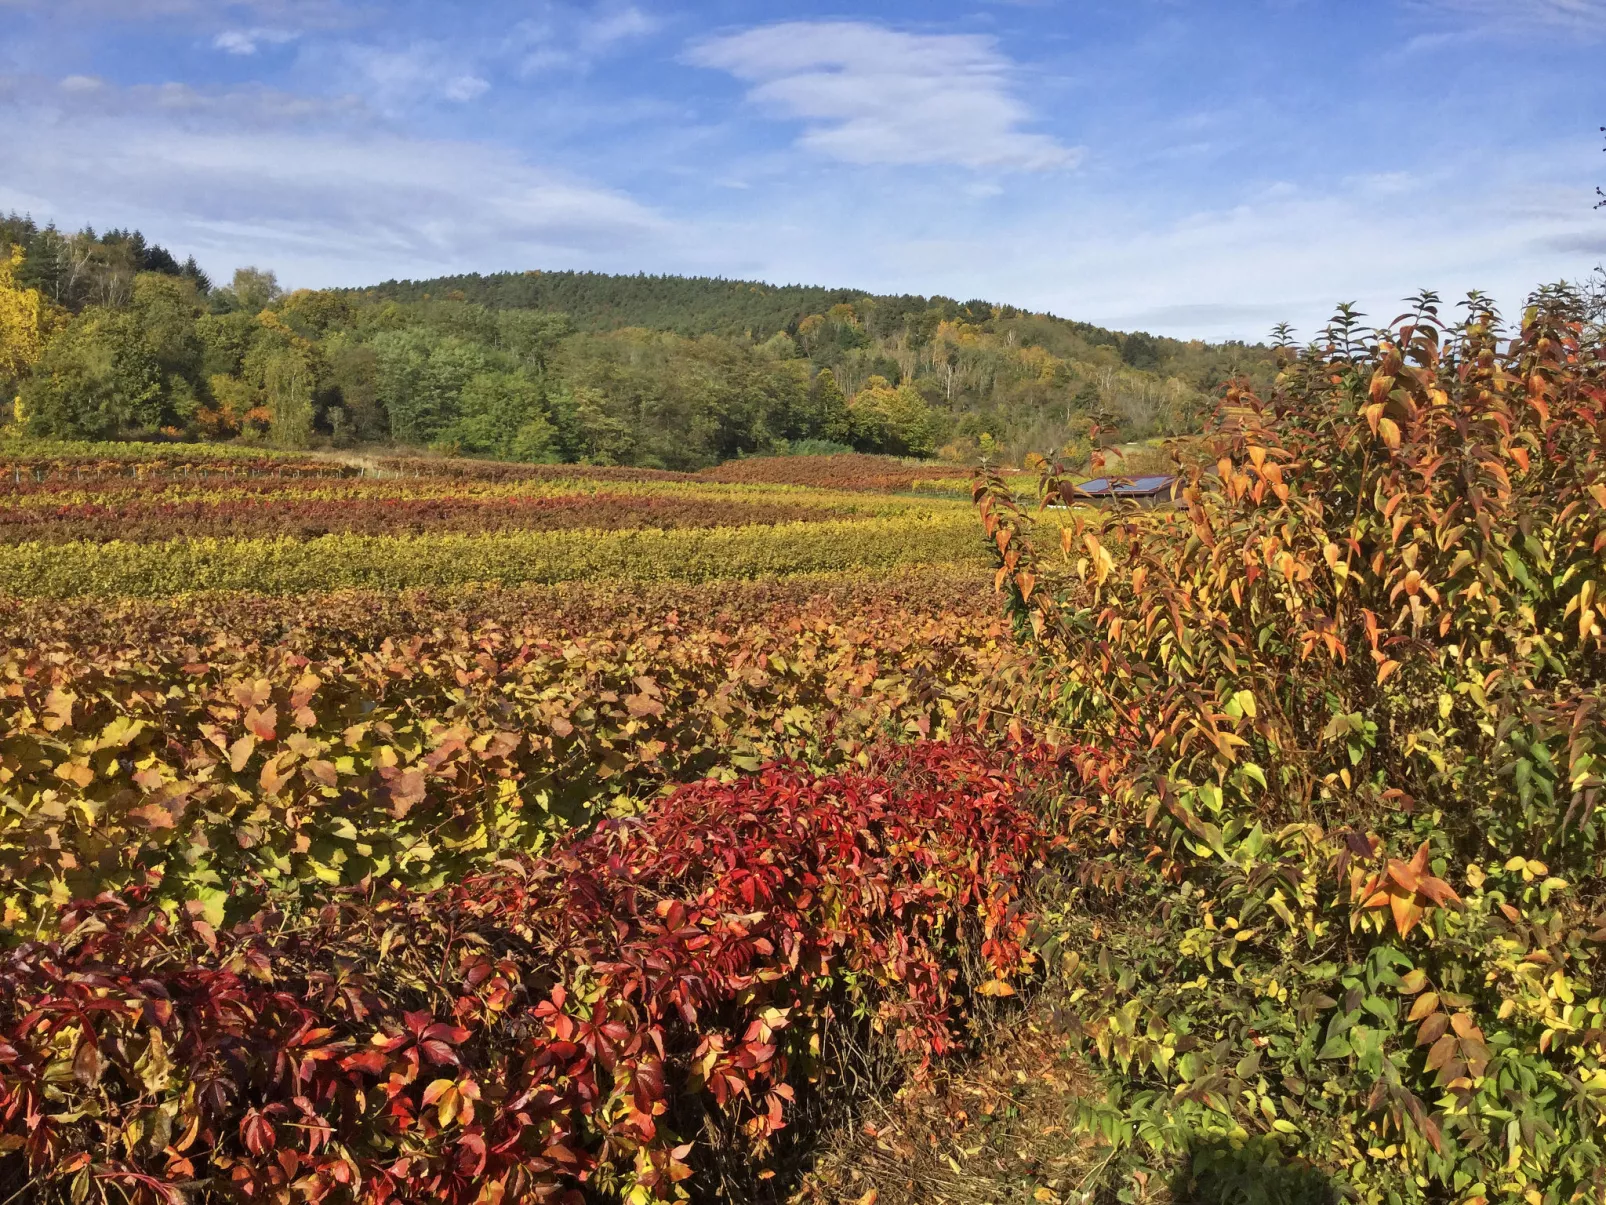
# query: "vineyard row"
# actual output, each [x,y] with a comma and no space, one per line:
[412,739]
[285,566]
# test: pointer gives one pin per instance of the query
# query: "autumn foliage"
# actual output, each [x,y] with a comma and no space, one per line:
[1342,903]
[609,1017]
[414,736]
[846,471]
[156,524]
[458,894]
[304,518]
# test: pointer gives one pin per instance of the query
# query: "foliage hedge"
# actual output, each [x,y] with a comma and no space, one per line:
[1343,903]
[228,741]
[854,471]
[605,1020]
[70,454]
[307,518]
[124,490]
[102,509]
[462,469]
[286,566]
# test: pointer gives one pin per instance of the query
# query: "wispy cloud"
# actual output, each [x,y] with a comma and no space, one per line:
[395,78]
[566,37]
[313,186]
[246,109]
[288,11]
[249,41]
[872,95]
[1587,17]
[604,28]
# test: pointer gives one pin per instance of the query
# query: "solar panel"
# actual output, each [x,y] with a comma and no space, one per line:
[1138,487]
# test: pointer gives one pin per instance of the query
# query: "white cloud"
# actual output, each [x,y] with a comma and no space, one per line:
[573,39]
[244,109]
[872,95]
[1586,17]
[249,41]
[603,29]
[289,11]
[395,79]
[1385,183]
[313,189]
[465,88]
[1172,256]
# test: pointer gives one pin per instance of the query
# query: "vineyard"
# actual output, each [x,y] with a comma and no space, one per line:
[290,527]
[423,830]
[614,788]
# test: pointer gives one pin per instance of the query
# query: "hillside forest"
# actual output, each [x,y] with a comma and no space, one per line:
[110,336]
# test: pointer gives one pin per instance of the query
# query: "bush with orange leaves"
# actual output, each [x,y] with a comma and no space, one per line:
[1344,906]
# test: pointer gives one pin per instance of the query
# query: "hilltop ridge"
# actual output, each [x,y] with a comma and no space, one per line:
[669,372]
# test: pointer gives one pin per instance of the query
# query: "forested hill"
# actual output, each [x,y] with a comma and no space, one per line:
[685,305]
[111,335]
[713,305]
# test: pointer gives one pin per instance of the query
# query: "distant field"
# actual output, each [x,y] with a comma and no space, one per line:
[98,522]
[834,605]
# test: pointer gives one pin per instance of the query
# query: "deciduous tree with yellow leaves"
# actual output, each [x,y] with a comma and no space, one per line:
[27,321]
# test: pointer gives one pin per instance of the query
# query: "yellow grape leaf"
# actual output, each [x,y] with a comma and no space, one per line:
[1103,562]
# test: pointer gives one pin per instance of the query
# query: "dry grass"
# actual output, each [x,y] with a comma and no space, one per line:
[992,1132]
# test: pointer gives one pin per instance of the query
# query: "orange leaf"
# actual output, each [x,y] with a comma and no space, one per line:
[1432,1029]
[1404,874]
[1441,1052]
[263,723]
[1406,912]
[1419,863]
[240,752]
[1438,891]
[1425,1004]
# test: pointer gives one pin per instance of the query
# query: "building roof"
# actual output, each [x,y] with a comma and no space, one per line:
[1137,487]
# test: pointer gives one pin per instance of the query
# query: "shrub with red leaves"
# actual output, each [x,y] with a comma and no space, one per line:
[845,471]
[307,518]
[577,1020]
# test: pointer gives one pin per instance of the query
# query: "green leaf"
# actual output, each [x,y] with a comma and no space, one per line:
[1336,1047]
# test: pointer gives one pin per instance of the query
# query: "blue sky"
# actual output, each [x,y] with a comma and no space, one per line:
[1188,167]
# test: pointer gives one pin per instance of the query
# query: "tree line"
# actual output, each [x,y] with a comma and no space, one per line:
[108,335]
